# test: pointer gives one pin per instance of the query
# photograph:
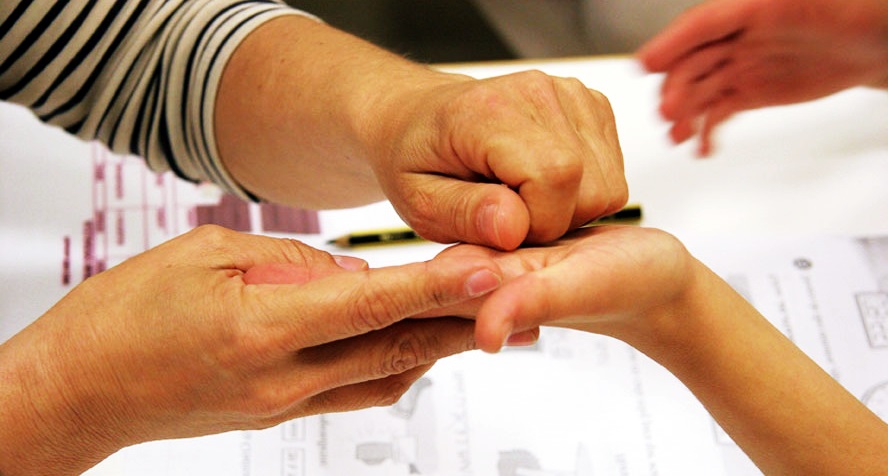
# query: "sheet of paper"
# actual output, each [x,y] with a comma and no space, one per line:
[577,404]
[71,209]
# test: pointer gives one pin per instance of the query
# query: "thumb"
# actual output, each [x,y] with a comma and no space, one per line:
[542,297]
[480,213]
[298,273]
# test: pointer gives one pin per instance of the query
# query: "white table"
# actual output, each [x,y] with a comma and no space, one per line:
[805,170]
[818,167]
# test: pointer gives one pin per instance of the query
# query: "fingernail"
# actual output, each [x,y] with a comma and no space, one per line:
[522,339]
[482,282]
[350,263]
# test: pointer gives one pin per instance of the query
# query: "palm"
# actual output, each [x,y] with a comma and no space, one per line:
[590,280]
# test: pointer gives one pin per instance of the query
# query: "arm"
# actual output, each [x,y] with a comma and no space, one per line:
[138,75]
[643,287]
[779,406]
[272,104]
[194,337]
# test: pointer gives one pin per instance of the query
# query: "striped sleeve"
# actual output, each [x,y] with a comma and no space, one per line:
[140,76]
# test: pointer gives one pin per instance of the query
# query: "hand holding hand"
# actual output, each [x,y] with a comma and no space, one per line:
[727,56]
[501,161]
[177,342]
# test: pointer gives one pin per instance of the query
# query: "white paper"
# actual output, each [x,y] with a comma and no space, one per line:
[579,404]
[574,404]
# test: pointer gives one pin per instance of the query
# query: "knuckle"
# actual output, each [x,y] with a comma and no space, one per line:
[392,392]
[597,96]
[435,293]
[423,210]
[538,81]
[620,196]
[497,95]
[297,252]
[406,351]
[614,197]
[253,346]
[273,400]
[541,90]
[210,235]
[440,298]
[563,171]
[577,90]
[429,207]
[265,402]
[266,423]
[461,225]
[213,241]
[372,310]
[576,84]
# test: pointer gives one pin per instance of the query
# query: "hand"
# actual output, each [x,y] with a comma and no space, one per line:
[726,56]
[177,342]
[307,115]
[604,279]
[502,161]
[643,287]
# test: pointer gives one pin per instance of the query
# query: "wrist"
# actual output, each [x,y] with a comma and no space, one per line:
[299,99]
[680,328]
[399,110]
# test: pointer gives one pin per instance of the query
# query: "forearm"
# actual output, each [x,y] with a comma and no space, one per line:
[44,429]
[785,412]
[302,107]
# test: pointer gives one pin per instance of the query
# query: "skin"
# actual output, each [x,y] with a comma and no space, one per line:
[310,116]
[251,331]
[223,348]
[643,287]
[727,56]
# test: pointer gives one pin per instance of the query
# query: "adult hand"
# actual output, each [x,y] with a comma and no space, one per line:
[602,279]
[726,56]
[184,340]
[310,116]
[501,161]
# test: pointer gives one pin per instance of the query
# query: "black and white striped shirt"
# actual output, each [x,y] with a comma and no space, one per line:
[140,76]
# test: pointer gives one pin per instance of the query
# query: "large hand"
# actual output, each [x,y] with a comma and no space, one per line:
[309,116]
[501,161]
[175,343]
[726,56]
[603,279]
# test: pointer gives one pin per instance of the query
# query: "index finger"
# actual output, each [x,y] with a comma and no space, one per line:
[351,304]
[551,197]
[695,29]
[546,175]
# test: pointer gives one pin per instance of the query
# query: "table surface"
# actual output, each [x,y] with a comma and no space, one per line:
[806,169]
[815,168]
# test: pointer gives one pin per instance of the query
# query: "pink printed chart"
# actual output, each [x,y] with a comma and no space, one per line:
[70,209]
[134,209]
